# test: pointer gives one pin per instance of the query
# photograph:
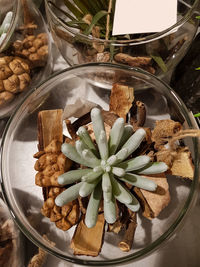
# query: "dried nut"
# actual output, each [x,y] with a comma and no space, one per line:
[5,97]
[34,48]
[14,76]
[12,84]
[5,72]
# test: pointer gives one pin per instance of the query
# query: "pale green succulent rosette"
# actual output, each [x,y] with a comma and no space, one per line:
[5,26]
[108,169]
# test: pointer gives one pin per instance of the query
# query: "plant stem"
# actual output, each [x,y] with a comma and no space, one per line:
[108,19]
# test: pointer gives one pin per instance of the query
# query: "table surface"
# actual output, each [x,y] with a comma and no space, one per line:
[183,249]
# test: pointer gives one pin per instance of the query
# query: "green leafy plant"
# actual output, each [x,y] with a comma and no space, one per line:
[108,168]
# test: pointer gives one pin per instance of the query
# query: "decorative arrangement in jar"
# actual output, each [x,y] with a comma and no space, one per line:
[24,52]
[107,169]
[46,125]
[83,33]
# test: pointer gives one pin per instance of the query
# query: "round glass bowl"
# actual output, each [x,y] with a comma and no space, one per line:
[25,52]
[90,82]
[163,49]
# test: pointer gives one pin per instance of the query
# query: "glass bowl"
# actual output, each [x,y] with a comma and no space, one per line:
[15,44]
[10,239]
[165,48]
[91,82]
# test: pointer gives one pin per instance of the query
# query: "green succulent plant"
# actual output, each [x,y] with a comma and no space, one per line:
[107,168]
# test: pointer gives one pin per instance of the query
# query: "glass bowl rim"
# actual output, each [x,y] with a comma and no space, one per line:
[137,41]
[148,249]
[16,11]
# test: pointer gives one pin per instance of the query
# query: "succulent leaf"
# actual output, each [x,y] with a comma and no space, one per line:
[93,207]
[153,168]
[135,163]
[139,181]
[110,210]
[68,195]
[73,176]
[116,134]
[107,171]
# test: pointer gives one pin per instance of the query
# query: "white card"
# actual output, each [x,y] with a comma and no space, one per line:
[144,16]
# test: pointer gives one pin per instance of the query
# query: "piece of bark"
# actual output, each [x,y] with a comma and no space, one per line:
[138,116]
[154,202]
[182,164]
[132,61]
[49,127]
[127,242]
[88,241]
[121,99]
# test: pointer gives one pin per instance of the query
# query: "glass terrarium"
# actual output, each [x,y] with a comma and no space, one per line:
[24,51]
[80,32]
[62,103]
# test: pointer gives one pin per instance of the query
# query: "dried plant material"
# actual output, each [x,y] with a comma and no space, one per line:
[34,48]
[64,217]
[138,114]
[132,61]
[5,253]
[103,57]
[39,259]
[14,77]
[154,202]
[27,29]
[8,237]
[127,242]
[50,165]
[121,221]
[163,130]
[88,241]
[49,127]
[121,99]
[182,164]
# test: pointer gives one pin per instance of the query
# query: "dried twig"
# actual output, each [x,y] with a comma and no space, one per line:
[108,19]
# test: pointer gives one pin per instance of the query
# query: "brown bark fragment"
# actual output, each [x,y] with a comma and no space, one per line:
[49,127]
[121,99]
[88,241]
[182,164]
[127,242]
[154,202]
[132,61]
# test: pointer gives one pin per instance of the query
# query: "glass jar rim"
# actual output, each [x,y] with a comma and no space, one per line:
[35,237]
[15,10]
[137,41]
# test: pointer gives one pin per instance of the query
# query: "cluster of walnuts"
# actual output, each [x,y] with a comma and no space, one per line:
[16,69]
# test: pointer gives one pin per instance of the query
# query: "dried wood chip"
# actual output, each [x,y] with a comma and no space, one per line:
[127,242]
[49,127]
[132,61]
[121,99]
[154,202]
[182,164]
[88,241]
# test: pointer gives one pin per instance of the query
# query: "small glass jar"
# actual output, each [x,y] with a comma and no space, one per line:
[163,49]
[25,51]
